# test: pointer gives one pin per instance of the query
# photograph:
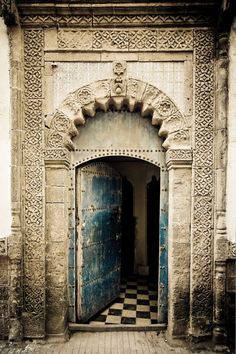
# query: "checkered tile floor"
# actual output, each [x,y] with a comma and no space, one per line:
[136,305]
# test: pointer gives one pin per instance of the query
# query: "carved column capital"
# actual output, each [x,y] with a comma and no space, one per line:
[178,158]
[57,157]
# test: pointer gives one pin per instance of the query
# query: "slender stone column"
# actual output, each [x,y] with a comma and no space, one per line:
[220,240]
[180,180]
[57,230]
[15,240]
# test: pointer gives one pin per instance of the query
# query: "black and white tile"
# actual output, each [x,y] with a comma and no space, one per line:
[136,305]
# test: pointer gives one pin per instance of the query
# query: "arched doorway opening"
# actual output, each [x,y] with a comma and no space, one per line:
[114,203]
[111,125]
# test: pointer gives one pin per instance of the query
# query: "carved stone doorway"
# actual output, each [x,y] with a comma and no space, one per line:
[128,124]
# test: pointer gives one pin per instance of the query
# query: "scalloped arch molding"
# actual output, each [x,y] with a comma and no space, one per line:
[135,95]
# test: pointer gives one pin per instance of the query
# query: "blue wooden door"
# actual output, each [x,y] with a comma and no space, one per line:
[163,250]
[99,235]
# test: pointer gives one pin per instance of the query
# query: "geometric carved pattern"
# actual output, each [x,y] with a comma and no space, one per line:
[202,231]
[34,258]
[125,40]
[115,20]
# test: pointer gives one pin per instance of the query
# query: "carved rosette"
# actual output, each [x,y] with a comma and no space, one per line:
[133,94]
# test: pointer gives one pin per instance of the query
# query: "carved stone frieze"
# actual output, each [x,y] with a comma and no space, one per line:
[114,20]
[55,155]
[125,40]
[178,157]
[34,269]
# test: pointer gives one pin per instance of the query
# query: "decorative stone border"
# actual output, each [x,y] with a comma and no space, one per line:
[59,136]
[115,20]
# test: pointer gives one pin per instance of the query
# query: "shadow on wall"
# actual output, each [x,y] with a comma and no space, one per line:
[230,301]
[4,290]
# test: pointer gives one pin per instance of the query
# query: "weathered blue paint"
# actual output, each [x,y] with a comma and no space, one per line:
[98,239]
[163,250]
[72,260]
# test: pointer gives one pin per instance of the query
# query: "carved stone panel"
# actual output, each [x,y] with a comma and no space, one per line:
[34,247]
[202,228]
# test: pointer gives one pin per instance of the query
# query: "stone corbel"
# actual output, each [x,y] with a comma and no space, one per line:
[177,158]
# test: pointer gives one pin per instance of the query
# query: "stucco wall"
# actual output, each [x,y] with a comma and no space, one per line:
[231,169]
[5,211]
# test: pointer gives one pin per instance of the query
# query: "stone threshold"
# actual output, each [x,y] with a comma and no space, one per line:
[74,327]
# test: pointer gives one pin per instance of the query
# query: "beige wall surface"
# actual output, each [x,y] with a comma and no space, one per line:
[5,198]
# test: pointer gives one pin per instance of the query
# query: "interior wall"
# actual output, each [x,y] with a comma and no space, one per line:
[139,174]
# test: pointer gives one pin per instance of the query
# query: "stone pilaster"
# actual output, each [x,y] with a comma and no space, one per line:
[220,240]
[180,180]
[57,229]
[15,240]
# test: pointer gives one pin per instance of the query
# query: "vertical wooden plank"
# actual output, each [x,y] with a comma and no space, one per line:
[98,238]
[163,249]
[72,275]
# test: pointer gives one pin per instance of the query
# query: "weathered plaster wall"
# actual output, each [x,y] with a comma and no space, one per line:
[167,76]
[5,208]
[231,168]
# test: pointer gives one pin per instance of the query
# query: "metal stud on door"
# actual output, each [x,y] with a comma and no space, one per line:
[98,241]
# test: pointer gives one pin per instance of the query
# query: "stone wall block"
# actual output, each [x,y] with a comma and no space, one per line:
[16,147]
[56,307]
[56,227]
[180,230]
[55,194]
[181,257]
[220,148]
[56,176]
[56,264]
[15,184]
[16,75]
[220,199]
[16,97]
